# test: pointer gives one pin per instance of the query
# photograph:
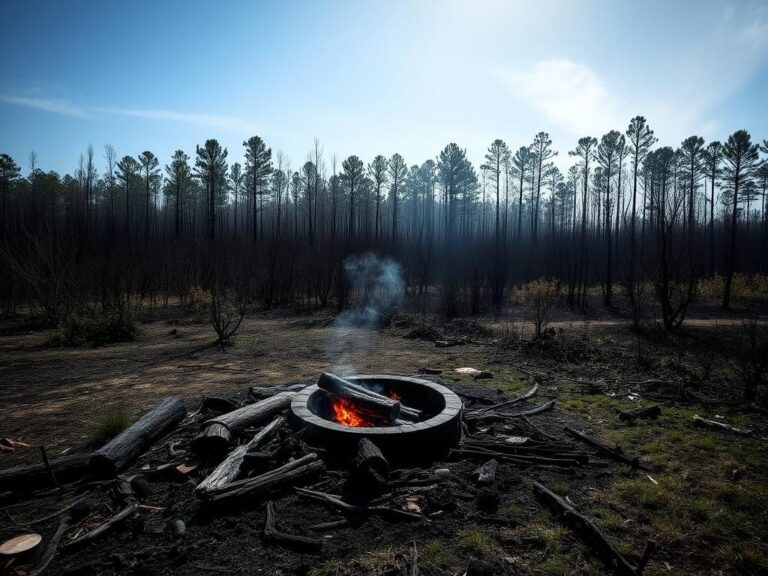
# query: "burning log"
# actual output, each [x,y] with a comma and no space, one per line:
[370,470]
[613,452]
[304,467]
[213,440]
[588,531]
[272,534]
[719,426]
[633,414]
[229,469]
[33,476]
[406,412]
[129,444]
[375,405]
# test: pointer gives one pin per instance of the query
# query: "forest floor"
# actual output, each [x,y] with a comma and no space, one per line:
[704,500]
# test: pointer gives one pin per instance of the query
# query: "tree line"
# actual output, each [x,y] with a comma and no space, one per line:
[652,220]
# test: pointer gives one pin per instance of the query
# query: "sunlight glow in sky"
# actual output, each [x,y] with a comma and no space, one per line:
[372,76]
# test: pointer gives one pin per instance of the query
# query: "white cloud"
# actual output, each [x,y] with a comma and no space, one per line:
[229,123]
[49,105]
[569,94]
[755,34]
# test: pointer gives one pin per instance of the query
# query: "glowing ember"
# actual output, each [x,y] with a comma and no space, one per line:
[344,412]
[394,395]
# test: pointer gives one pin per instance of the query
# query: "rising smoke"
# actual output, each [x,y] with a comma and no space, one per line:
[376,288]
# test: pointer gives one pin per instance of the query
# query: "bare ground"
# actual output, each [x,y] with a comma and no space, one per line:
[706,518]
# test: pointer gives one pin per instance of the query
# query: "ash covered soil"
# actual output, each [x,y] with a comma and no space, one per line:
[703,499]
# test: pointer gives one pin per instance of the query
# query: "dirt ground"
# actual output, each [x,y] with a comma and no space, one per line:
[705,501]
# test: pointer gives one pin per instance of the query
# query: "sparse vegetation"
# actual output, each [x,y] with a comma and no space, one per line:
[107,426]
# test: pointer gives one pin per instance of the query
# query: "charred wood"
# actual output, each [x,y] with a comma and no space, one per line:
[278,478]
[229,469]
[272,534]
[129,444]
[632,414]
[613,452]
[588,531]
[369,401]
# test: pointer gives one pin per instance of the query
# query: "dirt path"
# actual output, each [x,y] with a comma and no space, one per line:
[51,396]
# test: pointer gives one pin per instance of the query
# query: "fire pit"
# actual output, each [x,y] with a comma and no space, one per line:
[339,423]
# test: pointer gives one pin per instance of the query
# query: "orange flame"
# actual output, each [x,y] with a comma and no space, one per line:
[345,413]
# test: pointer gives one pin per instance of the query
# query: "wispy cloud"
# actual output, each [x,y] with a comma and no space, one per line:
[569,94]
[66,108]
[230,123]
[49,105]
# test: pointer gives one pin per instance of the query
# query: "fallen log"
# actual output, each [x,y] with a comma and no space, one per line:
[281,477]
[537,410]
[29,477]
[229,469]
[719,426]
[212,441]
[129,444]
[102,529]
[564,461]
[262,392]
[254,414]
[372,403]
[369,471]
[613,452]
[588,531]
[272,534]
[532,392]
[632,414]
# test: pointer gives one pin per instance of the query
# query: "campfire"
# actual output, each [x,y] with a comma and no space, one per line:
[368,445]
[345,411]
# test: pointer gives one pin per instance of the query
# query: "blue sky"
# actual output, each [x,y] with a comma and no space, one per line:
[368,76]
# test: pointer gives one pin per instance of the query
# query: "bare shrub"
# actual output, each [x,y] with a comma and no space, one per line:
[198,302]
[227,311]
[540,297]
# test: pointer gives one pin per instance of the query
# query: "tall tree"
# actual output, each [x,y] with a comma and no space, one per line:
[178,174]
[111,157]
[692,157]
[521,161]
[352,175]
[211,164]
[258,167]
[236,182]
[128,173]
[151,174]
[9,173]
[713,155]
[607,156]
[542,152]
[640,138]
[741,161]
[495,159]
[397,172]
[585,153]
[378,171]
